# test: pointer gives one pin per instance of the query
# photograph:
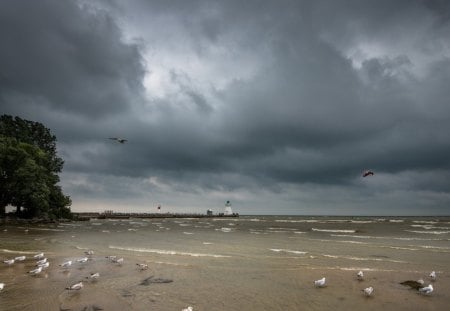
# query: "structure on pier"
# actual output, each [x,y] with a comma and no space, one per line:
[228,210]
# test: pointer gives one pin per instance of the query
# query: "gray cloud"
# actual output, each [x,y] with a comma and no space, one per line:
[258,102]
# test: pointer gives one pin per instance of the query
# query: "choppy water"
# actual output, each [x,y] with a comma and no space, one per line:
[246,263]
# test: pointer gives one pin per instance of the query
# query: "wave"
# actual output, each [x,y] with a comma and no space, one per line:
[428,232]
[334,230]
[224,229]
[294,221]
[362,258]
[280,250]
[396,220]
[17,252]
[166,252]
[385,237]
[188,233]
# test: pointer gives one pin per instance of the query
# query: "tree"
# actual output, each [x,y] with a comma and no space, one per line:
[29,168]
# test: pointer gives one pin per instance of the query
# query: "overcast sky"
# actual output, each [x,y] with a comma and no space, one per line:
[277,106]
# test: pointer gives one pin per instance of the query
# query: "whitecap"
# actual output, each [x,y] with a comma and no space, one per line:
[166,252]
[280,250]
[188,233]
[334,230]
[362,258]
[428,232]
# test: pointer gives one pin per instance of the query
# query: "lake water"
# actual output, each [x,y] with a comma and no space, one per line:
[245,263]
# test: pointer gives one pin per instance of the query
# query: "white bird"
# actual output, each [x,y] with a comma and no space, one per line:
[40,262]
[188,309]
[2,285]
[119,261]
[36,271]
[39,256]
[9,261]
[142,266]
[320,283]
[426,290]
[93,276]
[82,260]
[420,281]
[20,258]
[44,265]
[76,286]
[368,291]
[89,252]
[112,258]
[66,264]
[360,275]
[433,275]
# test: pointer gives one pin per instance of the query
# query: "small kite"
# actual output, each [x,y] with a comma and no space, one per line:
[368,173]
[119,140]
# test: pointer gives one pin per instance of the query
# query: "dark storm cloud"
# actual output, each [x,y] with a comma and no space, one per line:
[63,56]
[283,96]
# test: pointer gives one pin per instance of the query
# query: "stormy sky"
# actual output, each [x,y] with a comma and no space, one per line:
[277,106]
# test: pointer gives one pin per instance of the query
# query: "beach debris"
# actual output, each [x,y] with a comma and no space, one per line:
[8,261]
[412,284]
[35,271]
[142,266]
[320,283]
[2,286]
[66,264]
[20,258]
[76,286]
[368,291]
[367,173]
[426,290]
[360,276]
[39,256]
[119,140]
[92,308]
[153,280]
[188,309]
[433,276]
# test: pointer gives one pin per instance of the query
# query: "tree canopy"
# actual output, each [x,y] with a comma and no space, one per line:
[29,168]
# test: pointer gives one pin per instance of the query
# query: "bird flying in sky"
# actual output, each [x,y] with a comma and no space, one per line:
[368,173]
[119,140]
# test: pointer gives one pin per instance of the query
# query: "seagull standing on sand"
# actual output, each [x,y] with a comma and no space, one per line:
[360,276]
[433,275]
[20,258]
[368,291]
[40,262]
[66,264]
[44,265]
[76,286]
[93,276]
[426,290]
[2,285]
[8,261]
[35,271]
[188,309]
[82,260]
[320,283]
[142,266]
[39,256]
[119,261]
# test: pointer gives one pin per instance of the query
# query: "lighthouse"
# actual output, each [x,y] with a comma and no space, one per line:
[228,210]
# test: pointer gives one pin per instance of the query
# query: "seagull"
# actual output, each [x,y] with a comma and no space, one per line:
[142,266]
[44,265]
[119,140]
[360,275]
[320,283]
[20,258]
[89,253]
[426,290]
[368,291]
[368,173]
[9,261]
[39,262]
[119,261]
[39,256]
[188,309]
[36,271]
[82,260]
[420,281]
[112,258]
[433,275]
[76,286]
[93,276]
[66,264]
[2,285]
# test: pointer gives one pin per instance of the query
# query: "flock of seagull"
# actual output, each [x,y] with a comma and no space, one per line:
[368,291]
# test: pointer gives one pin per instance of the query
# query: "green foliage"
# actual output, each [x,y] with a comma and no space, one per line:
[29,168]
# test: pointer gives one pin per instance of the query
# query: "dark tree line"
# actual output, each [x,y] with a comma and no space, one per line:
[29,168]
